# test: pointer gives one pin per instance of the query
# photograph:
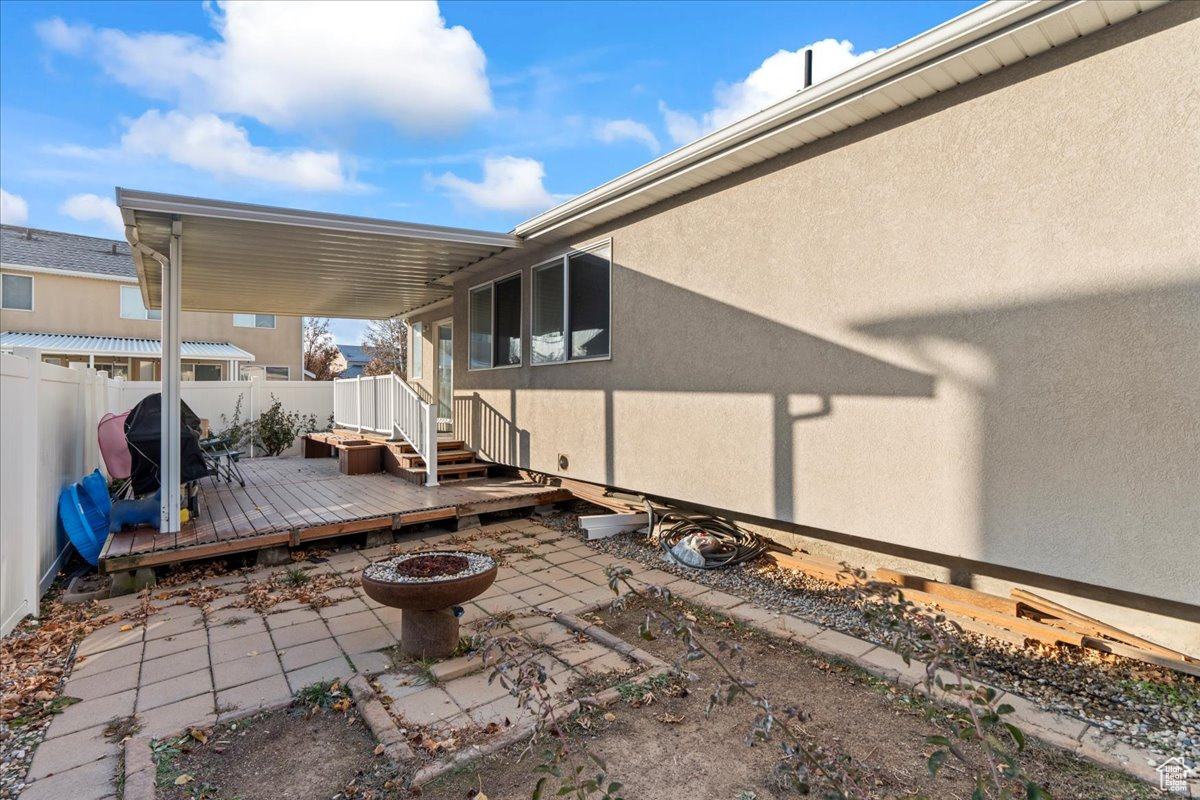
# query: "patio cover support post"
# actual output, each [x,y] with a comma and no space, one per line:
[169,460]
[358,393]
[431,444]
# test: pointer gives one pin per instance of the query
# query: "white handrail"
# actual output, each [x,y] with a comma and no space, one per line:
[387,404]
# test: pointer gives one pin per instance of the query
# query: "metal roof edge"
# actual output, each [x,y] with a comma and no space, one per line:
[134,200]
[965,30]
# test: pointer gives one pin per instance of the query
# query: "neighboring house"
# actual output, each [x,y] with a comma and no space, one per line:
[77,300]
[353,360]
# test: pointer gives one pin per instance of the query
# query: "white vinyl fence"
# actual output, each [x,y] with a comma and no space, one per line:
[48,419]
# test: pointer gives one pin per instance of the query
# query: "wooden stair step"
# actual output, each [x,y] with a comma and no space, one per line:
[412,460]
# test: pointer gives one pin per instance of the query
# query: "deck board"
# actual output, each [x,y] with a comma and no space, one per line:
[290,500]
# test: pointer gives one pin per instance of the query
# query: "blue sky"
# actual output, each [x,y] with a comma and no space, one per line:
[469,113]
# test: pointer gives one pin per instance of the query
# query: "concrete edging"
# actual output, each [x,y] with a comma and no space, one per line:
[379,720]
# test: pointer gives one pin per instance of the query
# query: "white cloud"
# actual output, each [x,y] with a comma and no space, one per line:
[286,63]
[88,207]
[509,184]
[778,77]
[13,209]
[207,142]
[618,129]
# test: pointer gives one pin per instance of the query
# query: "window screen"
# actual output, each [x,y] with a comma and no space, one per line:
[480,334]
[17,292]
[507,322]
[546,344]
[587,312]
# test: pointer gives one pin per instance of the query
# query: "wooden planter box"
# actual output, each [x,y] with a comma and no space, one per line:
[315,449]
[359,459]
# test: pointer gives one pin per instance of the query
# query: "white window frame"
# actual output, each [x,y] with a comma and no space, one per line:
[32,292]
[256,326]
[564,261]
[264,368]
[145,311]
[416,346]
[519,274]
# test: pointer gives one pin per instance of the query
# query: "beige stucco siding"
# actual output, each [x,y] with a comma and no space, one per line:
[92,307]
[968,328]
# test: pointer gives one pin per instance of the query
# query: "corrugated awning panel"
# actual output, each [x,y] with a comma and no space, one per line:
[72,344]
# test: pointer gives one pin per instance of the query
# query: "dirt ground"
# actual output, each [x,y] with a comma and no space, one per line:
[668,749]
[284,755]
[660,747]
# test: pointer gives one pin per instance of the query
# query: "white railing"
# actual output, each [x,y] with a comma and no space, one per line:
[386,404]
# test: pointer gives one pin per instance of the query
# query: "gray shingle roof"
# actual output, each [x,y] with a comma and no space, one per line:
[30,247]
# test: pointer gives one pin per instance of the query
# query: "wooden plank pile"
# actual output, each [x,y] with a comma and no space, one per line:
[1017,618]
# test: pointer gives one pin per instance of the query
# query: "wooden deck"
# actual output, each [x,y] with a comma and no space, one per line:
[291,501]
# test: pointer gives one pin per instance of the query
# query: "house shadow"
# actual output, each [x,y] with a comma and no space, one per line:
[1089,432]
[666,338]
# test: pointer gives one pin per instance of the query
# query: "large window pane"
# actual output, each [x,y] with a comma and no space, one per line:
[254,320]
[508,322]
[546,344]
[416,352]
[480,334]
[588,311]
[16,293]
[132,306]
[208,372]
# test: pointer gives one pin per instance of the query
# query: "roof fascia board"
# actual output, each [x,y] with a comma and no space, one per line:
[960,33]
[96,276]
[152,202]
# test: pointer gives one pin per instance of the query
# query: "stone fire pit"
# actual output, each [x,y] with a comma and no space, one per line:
[427,587]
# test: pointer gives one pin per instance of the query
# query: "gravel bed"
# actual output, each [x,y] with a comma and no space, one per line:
[17,744]
[386,570]
[1140,704]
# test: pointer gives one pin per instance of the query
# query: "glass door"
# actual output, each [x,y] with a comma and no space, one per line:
[445,373]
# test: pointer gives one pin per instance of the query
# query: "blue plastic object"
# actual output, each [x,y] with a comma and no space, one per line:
[85,522]
[143,511]
[96,487]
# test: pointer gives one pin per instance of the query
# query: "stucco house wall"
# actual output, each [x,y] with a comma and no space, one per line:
[967,332]
[91,306]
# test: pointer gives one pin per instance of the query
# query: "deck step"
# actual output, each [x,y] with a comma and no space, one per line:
[446,472]
[413,461]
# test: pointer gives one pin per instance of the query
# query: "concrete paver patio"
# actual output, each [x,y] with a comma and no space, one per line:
[191,668]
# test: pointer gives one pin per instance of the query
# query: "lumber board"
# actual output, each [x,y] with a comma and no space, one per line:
[1093,626]
[963,594]
[1137,654]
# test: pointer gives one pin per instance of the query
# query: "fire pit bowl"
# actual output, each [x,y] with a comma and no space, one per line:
[428,587]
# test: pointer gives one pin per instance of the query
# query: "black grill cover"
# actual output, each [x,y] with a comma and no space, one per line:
[143,432]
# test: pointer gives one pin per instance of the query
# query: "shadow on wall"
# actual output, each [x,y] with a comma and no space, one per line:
[1090,426]
[669,339]
[486,430]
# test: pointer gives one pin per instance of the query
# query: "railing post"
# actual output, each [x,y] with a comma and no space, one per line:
[431,445]
[358,386]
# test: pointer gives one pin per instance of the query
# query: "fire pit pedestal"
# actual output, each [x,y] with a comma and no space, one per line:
[428,587]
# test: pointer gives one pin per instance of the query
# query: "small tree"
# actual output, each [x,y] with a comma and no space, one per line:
[321,355]
[386,341]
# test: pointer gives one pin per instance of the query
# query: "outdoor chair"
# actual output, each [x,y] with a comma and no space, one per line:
[222,459]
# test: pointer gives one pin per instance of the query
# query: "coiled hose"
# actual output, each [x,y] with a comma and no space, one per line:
[725,543]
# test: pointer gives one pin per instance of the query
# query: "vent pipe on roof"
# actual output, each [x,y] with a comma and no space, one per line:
[29,234]
[808,68]
[114,248]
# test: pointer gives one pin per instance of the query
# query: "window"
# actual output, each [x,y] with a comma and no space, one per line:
[416,351]
[249,371]
[572,308]
[17,292]
[495,324]
[132,306]
[254,320]
[200,372]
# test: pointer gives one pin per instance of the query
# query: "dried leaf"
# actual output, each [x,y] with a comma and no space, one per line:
[611,717]
[199,735]
[125,627]
[183,779]
[378,749]
[341,705]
